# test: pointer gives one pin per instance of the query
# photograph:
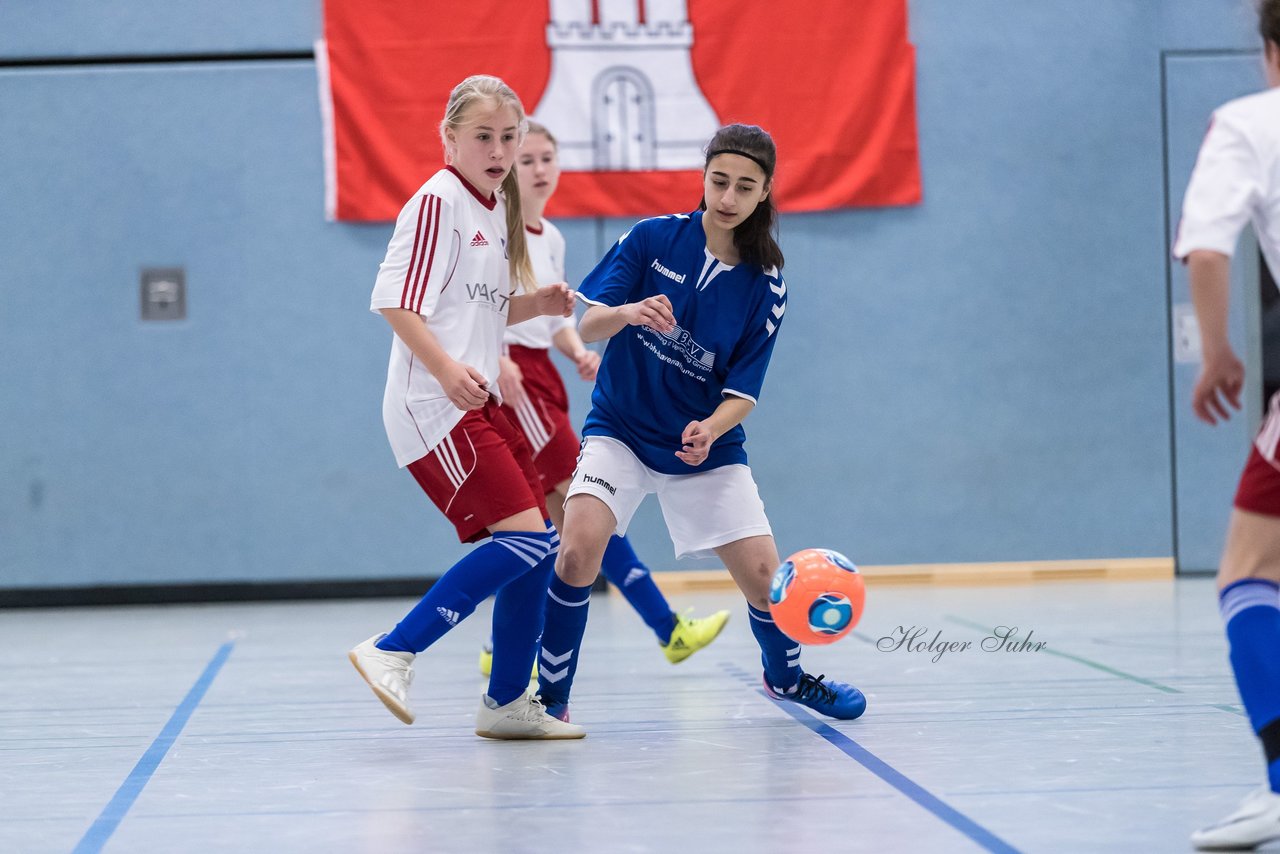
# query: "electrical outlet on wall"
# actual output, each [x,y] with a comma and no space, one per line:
[164,293]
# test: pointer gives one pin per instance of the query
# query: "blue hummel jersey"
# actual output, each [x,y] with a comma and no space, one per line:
[651,385]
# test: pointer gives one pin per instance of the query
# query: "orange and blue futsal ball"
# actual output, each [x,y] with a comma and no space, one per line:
[816,596]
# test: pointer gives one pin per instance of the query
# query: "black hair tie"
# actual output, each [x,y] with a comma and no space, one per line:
[740,153]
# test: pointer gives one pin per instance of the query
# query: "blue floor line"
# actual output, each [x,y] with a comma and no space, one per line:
[897,779]
[114,812]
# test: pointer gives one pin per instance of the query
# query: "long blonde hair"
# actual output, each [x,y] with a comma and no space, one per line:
[474,90]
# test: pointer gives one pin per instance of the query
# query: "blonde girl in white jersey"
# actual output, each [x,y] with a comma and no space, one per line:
[1236,181]
[450,283]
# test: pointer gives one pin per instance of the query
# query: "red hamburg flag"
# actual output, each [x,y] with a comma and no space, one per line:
[632,89]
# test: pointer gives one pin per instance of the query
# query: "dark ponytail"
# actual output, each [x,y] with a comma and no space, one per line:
[1269,21]
[754,237]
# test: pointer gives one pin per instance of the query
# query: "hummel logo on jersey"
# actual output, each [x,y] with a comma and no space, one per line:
[678,278]
[479,240]
[634,575]
[451,617]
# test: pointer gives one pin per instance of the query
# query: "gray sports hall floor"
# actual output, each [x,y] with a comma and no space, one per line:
[243,729]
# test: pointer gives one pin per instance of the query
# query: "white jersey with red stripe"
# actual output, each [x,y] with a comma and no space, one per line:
[1236,180]
[447,262]
[546,251]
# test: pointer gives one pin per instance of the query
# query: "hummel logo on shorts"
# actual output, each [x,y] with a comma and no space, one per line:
[613,490]
[479,240]
[451,617]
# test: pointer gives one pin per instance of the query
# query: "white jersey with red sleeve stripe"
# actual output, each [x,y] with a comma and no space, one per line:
[447,262]
[1236,180]
[546,252]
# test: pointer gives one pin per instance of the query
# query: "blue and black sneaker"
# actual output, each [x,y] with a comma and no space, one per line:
[834,699]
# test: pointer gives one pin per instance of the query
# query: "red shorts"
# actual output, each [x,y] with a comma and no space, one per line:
[481,473]
[1259,490]
[543,417]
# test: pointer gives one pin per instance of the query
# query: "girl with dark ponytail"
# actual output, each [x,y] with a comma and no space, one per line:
[691,305]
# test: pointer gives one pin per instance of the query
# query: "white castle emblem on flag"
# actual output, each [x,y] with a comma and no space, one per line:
[622,95]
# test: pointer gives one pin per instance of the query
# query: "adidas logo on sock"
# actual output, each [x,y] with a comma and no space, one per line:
[635,574]
[479,240]
[451,617]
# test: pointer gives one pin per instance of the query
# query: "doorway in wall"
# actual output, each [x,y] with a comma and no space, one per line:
[1206,460]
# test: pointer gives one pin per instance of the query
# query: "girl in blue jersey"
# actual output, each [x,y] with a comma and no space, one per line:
[534,397]
[691,305]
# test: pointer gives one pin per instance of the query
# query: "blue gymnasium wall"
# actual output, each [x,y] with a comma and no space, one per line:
[980,378]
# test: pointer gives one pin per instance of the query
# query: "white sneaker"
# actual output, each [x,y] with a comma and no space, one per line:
[1257,820]
[523,717]
[389,674]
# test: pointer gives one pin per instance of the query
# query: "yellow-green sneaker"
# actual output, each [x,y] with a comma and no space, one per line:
[692,634]
[486,663]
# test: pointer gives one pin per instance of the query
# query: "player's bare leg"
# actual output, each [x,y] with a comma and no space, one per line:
[1252,549]
[587,525]
[555,503]
[751,562]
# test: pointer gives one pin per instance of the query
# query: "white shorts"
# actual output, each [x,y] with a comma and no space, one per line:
[703,511]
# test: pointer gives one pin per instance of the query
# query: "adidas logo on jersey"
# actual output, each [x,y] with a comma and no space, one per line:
[451,617]
[479,240]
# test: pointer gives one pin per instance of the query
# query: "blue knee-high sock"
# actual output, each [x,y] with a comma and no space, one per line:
[629,574]
[1251,611]
[518,612]
[561,639]
[779,654]
[468,582]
